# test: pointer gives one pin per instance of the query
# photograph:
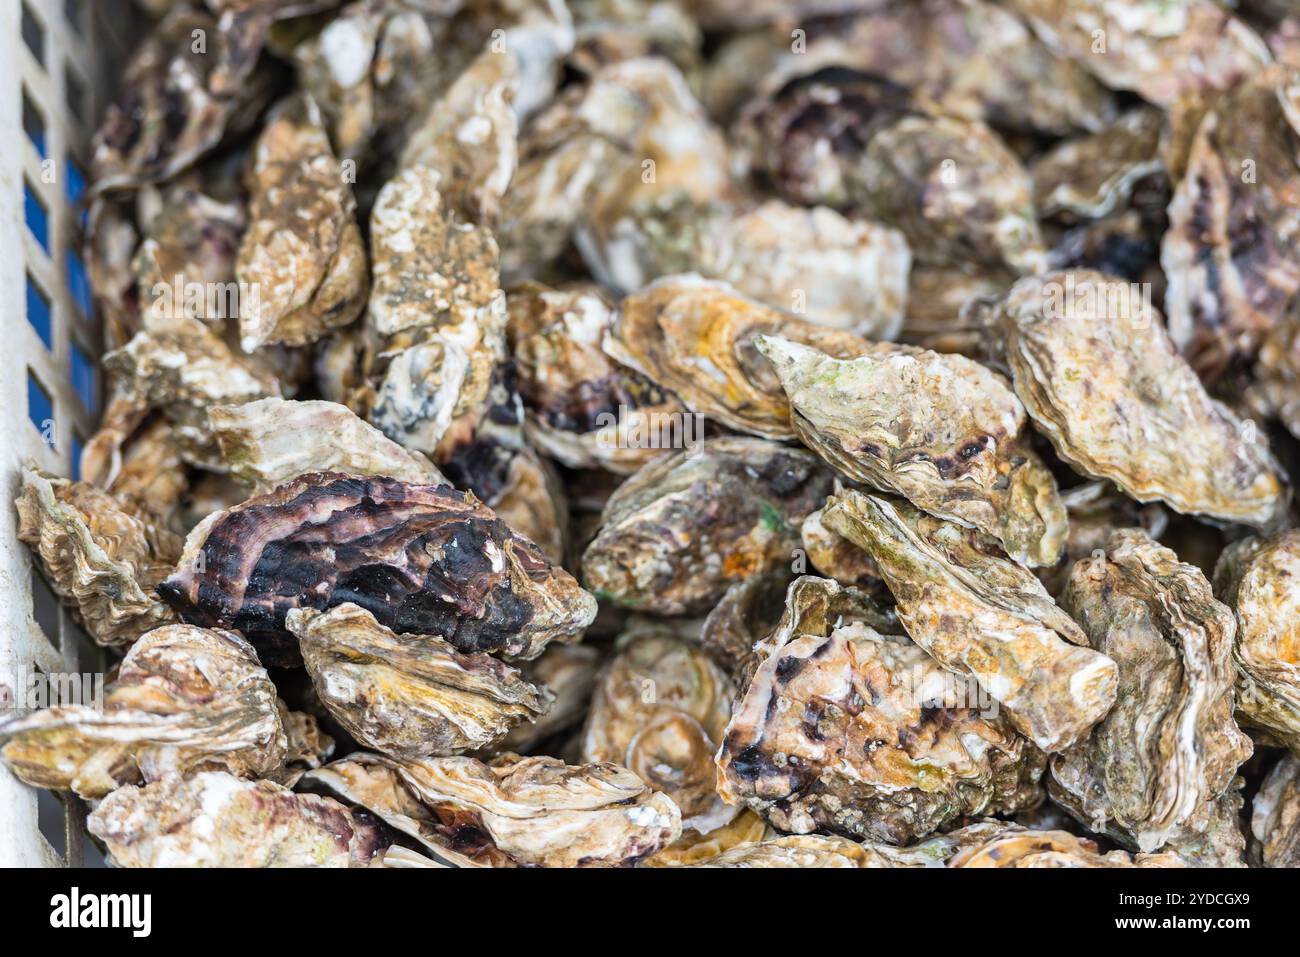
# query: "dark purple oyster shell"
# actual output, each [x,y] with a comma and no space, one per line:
[424,559]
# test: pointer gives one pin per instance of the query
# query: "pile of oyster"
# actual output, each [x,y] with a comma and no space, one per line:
[712,434]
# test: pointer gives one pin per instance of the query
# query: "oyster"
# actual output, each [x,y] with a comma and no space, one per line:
[982,615]
[941,430]
[1152,772]
[423,559]
[102,555]
[271,441]
[134,458]
[1090,359]
[302,252]
[437,310]
[1275,818]
[1017,847]
[659,708]
[693,848]
[1231,250]
[174,107]
[834,556]
[569,673]
[308,747]
[183,371]
[582,408]
[698,338]
[528,812]
[747,612]
[185,699]
[1257,579]
[216,820]
[862,734]
[1158,50]
[678,532]
[1092,176]
[409,696]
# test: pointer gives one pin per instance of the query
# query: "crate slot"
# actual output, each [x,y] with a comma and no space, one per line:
[46,609]
[52,820]
[34,123]
[38,312]
[33,34]
[40,409]
[36,215]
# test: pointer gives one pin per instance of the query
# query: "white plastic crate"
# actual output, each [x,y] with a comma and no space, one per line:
[58,63]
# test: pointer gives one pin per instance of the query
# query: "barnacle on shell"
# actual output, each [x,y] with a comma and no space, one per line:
[423,559]
[102,555]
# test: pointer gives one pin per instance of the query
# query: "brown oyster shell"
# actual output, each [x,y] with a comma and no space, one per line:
[272,441]
[983,615]
[698,338]
[216,820]
[134,457]
[302,251]
[676,534]
[102,556]
[185,699]
[423,559]
[1017,847]
[409,696]
[868,736]
[834,556]
[694,848]
[1155,767]
[1231,250]
[941,430]
[659,708]
[520,812]
[571,389]
[1275,815]
[1100,378]
[1257,578]
[309,746]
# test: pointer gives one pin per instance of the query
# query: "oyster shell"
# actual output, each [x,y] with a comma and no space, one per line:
[834,556]
[941,430]
[271,441]
[1231,250]
[1158,50]
[983,615]
[409,696]
[1017,847]
[527,812]
[659,708]
[308,746]
[216,820]
[582,408]
[675,535]
[693,848]
[185,699]
[698,338]
[866,735]
[1275,815]
[1098,375]
[302,251]
[1257,579]
[423,559]
[1092,176]
[569,673]
[183,371]
[1155,766]
[102,556]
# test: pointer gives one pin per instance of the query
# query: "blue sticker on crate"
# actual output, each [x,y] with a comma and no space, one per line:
[38,312]
[35,215]
[83,374]
[78,282]
[40,408]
